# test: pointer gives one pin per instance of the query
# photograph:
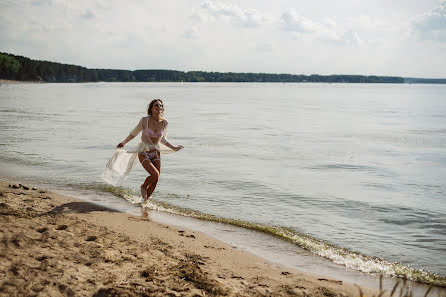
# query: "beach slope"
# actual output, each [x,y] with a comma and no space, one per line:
[53,245]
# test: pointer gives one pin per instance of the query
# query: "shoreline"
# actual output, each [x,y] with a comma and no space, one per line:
[94,249]
[13,82]
[6,82]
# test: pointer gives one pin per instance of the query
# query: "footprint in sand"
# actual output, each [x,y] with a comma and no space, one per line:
[62,227]
[91,238]
[330,280]
[41,230]
[212,247]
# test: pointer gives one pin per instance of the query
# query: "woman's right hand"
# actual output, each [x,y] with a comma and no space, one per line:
[120,145]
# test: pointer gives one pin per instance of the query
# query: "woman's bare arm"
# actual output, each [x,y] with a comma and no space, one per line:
[132,134]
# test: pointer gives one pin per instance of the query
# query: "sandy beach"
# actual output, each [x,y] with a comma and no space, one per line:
[58,246]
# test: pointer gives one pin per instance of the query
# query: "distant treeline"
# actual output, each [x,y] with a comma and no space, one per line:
[20,68]
[411,80]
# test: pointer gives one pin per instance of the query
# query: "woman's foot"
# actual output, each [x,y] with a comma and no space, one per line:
[144,193]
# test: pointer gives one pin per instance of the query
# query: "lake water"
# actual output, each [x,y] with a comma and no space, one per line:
[355,173]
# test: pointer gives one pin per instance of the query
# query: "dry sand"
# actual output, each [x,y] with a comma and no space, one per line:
[52,245]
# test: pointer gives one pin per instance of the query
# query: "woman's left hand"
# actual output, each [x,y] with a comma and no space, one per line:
[178,147]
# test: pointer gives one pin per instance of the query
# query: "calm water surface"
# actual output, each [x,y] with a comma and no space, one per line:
[362,167]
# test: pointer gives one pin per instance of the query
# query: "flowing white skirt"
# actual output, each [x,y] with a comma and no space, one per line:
[121,163]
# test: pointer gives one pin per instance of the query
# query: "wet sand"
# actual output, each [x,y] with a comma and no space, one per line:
[53,245]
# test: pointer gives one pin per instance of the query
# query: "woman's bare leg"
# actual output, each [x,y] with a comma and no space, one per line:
[152,186]
[153,168]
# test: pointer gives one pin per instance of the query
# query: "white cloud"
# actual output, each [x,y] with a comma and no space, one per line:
[432,24]
[265,47]
[201,16]
[41,2]
[240,16]
[327,31]
[351,37]
[102,4]
[292,21]
[346,38]
[88,14]
[190,33]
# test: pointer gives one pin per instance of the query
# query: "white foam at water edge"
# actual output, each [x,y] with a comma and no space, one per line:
[133,199]
[154,206]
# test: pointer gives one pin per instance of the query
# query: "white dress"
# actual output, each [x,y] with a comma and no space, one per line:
[121,163]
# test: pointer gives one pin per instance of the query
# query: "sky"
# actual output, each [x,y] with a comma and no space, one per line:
[368,37]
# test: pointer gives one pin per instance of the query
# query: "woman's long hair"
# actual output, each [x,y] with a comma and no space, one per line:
[149,108]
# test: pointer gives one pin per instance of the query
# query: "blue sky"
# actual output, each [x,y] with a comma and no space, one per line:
[393,37]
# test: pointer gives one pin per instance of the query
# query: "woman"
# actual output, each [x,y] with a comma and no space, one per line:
[153,143]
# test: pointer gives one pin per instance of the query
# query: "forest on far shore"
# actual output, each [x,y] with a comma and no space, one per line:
[20,68]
